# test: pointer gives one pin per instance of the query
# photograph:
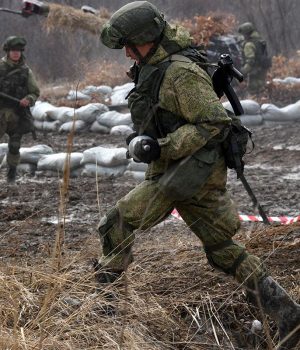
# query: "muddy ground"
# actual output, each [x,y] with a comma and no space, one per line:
[29,212]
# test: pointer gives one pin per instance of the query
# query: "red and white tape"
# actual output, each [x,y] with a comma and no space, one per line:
[253,218]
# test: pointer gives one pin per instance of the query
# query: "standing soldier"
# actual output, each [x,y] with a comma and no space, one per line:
[181,124]
[256,61]
[18,92]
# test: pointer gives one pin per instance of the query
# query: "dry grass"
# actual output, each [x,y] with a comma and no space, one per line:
[202,28]
[170,298]
[66,17]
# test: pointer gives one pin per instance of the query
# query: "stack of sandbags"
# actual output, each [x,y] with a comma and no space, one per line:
[42,121]
[49,118]
[29,157]
[54,164]
[136,170]
[104,161]
[64,119]
[114,123]
[119,94]
[272,113]
[83,117]
[252,112]
[103,91]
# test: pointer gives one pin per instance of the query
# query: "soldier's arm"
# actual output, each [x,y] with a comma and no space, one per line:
[249,54]
[194,99]
[33,90]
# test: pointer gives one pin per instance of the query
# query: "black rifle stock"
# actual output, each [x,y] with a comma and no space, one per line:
[222,78]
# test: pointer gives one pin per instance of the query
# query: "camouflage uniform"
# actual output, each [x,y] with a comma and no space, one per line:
[186,92]
[16,80]
[252,69]
[190,173]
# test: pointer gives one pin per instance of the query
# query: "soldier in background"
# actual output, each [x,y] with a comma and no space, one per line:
[256,60]
[18,92]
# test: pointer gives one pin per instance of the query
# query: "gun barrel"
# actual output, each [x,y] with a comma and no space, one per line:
[8,97]
[11,11]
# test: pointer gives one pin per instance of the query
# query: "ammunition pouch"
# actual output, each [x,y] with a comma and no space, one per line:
[183,179]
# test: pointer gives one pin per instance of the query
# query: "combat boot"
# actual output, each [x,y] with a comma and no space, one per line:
[11,174]
[281,308]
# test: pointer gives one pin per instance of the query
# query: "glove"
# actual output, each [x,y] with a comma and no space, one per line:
[146,150]
[131,137]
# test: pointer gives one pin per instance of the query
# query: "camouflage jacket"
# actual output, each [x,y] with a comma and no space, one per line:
[17,80]
[187,92]
[250,53]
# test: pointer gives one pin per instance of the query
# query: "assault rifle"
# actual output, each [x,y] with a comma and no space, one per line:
[222,78]
[30,8]
[26,111]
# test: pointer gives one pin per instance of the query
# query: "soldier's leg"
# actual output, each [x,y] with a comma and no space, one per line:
[3,123]
[141,208]
[214,220]
[213,217]
[14,143]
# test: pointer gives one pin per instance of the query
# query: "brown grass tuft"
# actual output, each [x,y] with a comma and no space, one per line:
[67,17]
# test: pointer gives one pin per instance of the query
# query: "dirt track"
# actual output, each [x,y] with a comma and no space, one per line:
[29,210]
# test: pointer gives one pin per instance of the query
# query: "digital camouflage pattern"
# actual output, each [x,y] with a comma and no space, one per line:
[187,92]
[16,80]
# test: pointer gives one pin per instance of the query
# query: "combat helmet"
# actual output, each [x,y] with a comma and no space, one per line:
[137,23]
[14,42]
[246,28]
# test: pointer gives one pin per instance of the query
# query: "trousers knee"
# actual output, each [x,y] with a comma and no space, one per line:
[116,235]
[14,146]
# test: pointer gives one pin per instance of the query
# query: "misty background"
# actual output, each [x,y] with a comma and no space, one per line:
[63,54]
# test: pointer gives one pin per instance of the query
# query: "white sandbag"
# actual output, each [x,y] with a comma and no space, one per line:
[108,157]
[91,170]
[287,80]
[74,95]
[34,153]
[57,161]
[134,166]
[121,130]
[40,109]
[63,114]
[3,150]
[251,120]
[77,126]
[26,168]
[271,112]
[250,107]
[46,126]
[137,175]
[57,173]
[119,93]
[88,113]
[101,129]
[102,89]
[114,118]
[291,112]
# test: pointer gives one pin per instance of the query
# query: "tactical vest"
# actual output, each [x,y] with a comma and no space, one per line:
[13,82]
[147,116]
[262,58]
